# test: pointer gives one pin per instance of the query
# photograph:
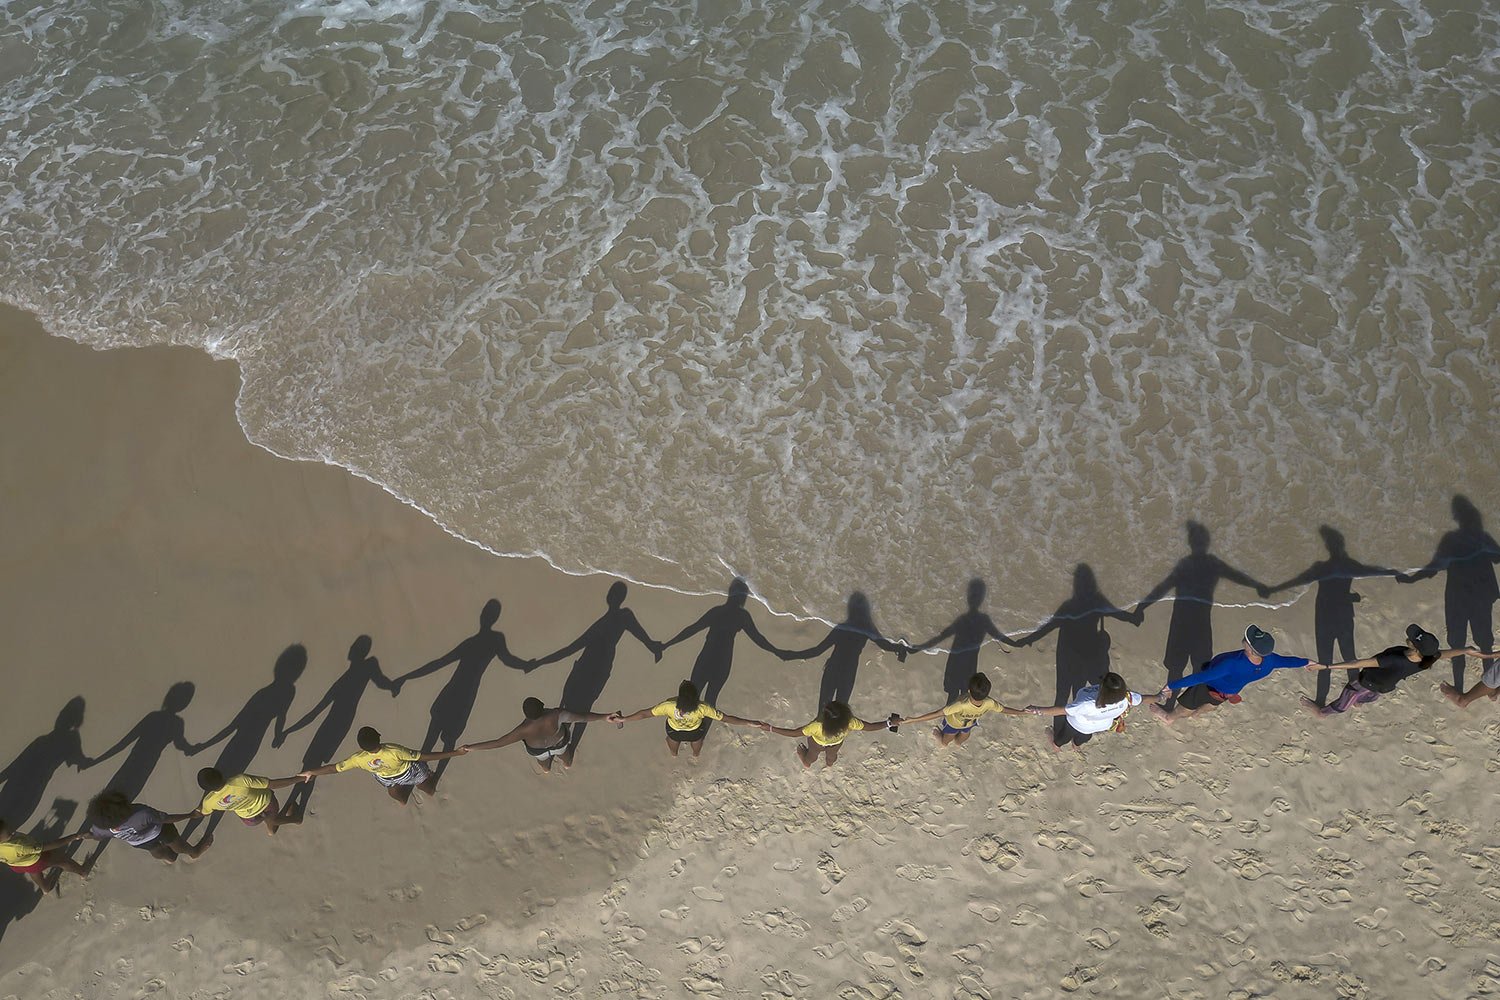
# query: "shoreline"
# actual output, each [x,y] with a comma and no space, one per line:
[161,546]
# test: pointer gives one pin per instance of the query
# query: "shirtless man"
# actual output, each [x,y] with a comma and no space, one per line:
[546,734]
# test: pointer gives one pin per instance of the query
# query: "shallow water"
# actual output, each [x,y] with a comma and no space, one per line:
[870,295]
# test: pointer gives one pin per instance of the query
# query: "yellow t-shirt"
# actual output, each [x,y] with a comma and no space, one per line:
[390,761]
[20,851]
[814,731]
[962,714]
[686,722]
[245,795]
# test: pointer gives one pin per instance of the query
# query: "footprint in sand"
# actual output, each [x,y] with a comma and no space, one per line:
[697,945]
[1110,777]
[856,905]
[994,853]
[920,873]
[1056,840]
[1161,914]
[831,872]
[1102,938]
[438,936]
[1159,865]
[708,894]
[677,868]
[680,913]
[984,911]
[788,866]
[1078,978]
[779,921]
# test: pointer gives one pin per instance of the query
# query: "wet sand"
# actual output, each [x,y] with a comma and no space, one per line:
[1255,852]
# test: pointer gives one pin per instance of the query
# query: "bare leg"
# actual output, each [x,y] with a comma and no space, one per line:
[831,755]
[545,764]
[1467,698]
[182,848]
[806,754]
[963,737]
[673,746]
[697,746]
[401,793]
[943,738]
[567,757]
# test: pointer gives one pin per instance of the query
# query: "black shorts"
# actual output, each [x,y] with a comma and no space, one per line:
[687,735]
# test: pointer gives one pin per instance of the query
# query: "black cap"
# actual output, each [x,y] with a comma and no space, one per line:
[1259,640]
[1422,641]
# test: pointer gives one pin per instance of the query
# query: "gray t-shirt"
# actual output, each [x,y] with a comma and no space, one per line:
[143,826]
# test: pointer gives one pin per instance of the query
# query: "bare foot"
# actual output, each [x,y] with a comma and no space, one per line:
[1451,693]
[1052,740]
[1313,707]
[1161,714]
[567,758]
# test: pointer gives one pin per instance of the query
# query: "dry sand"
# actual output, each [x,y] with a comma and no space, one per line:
[1257,852]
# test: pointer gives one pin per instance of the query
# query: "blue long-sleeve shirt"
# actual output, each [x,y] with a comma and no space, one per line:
[1228,673]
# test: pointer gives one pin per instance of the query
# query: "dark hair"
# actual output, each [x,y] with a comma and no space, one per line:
[110,808]
[979,686]
[1111,689]
[835,718]
[687,696]
[210,778]
[533,708]
[368,738]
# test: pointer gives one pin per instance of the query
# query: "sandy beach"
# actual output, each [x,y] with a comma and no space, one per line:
[1256,852]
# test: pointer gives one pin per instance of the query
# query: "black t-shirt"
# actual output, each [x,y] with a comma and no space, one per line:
[1393,668]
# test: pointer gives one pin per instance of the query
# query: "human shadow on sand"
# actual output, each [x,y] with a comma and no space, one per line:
[339,707]
[596,649]
[721,625]
[845,644]
[1192,584]
[1333,605]
[450,711]
[968,632]
[1082,656]
[263,714]
[1468,555]
[148,740]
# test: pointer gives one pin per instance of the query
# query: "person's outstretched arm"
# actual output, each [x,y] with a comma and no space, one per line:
[692,630]
[1051,711]
[782,731]
[1368,661]
[180,817]
[513,736]
[931,716]
[130,738]
[443,755]
[571,717]
[318,772]
[1157,592]
[750,629]
[312,714]
[431,666]
[53,845]
[935,640]
[994,632]
[566,651]
[1233,575]
[810,651]
[287,782]
[218,737]
[735,720]
[621,718]
[890,722]
[634,627]
[380,680]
